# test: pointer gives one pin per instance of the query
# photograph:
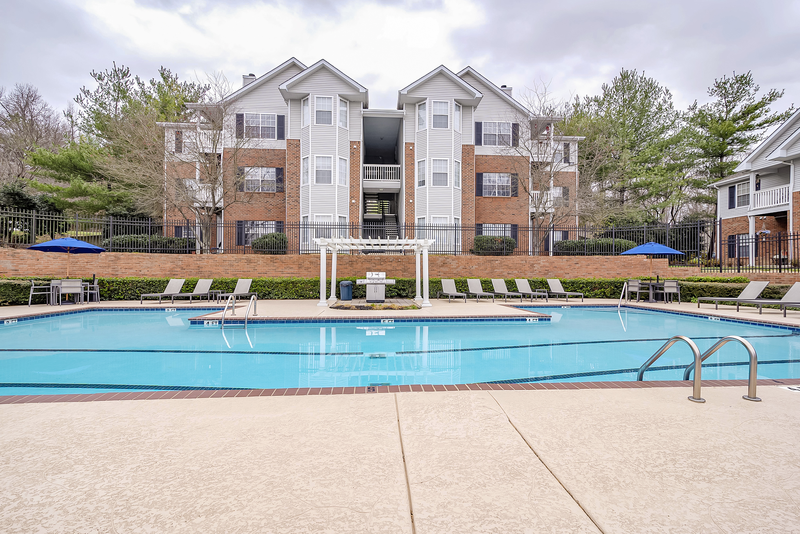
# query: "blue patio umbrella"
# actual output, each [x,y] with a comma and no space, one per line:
[652,249]
[69,245]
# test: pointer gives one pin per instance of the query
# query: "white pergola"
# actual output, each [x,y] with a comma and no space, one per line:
[335,244]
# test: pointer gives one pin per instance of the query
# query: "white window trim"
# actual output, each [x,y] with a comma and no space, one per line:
[433,102]
[316,98]
[305,171]
[460,171]
[416,116]
[333,177]
[510,133]
[458,106]
[742,194]
[448,172]
[305,119]
[346,114]
[260,180]
[483,192]
[347,171]
[260,115]
[416,173]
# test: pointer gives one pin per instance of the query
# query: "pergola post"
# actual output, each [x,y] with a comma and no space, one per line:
[418,297]
[426,281]
[322,301]
[334,254]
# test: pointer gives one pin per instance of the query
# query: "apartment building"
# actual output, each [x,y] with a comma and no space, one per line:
[302,145]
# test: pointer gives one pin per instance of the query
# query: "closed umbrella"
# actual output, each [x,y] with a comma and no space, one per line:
[69,245]
[652,249]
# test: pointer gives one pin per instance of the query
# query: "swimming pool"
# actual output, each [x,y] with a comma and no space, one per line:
[106,350]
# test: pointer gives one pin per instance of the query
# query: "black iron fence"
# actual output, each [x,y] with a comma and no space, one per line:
[762,252]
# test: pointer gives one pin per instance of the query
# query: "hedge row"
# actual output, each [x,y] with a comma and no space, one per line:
[16,290]
[145,243]
[592,247]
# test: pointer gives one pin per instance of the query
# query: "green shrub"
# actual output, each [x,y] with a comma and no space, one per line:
[152,243]
[592,247]
[274,243]
[489,245]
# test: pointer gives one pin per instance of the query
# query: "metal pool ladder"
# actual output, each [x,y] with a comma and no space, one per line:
[697,365]
[253,303]
[233,309]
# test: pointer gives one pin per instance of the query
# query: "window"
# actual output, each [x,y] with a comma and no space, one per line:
[342,174]
[323,110]
[306,114]
[497,230]
[560,196]
[260,179]
[254,229]
[305,234]
[566,153]
[497,133]
[323,170]
[178,141]
[457,174]
[496,184]
[323,226]
[439,172]
[342,226]
[441,113]
[743,194]
[343,113]
[304,172]
[421,173]
[457,117]
[422,117]
[260,126]
[420,230]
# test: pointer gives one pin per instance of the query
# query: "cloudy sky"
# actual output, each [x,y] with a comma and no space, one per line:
[573,47]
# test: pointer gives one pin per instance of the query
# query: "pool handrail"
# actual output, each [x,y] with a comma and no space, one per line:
[233,310]
[622,295]
[664,348]
[753,374]
[253,302]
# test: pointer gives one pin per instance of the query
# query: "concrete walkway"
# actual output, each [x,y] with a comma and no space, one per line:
[607,460]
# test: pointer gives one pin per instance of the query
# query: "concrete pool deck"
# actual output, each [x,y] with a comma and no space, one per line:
[610,460]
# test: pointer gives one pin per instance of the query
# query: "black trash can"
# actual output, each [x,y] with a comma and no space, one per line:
[346,290]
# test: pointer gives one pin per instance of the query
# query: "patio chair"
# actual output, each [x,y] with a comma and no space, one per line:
[791,298]
[242,289]
[41,289]
[202,289]
[499,286]
[449,289]
[475,288]
[92,289]
[751,292]
[670,288]
[72,287]
[524,287]
[173,288]
[556,290]
[634,286]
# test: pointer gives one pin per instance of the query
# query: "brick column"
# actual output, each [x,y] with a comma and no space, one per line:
[410,184]
[292,181]
[467,193]
[355,184]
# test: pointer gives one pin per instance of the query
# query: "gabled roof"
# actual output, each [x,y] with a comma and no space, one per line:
[264,78]
[499,92]
[747,163]
[359,93]
[730,179]
[473,100]
[783,151]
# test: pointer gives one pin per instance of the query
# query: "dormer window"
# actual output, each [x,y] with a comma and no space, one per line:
[441,114]
[323,110]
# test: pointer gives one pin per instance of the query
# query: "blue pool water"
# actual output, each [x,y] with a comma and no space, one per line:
[115,350]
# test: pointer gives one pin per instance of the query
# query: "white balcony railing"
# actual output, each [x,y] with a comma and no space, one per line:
[541,202]
[382,172]
[774,196]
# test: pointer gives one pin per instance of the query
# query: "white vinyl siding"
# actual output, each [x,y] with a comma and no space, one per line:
[343,113]
[323,110]
[493,108]
[497,134]
[342,172]
[441,114]
[260,179]
[421,173]
[439,173]
[304,172]
[323,170]
[422,116]
[457,174]
[306,113]
[260,126]
[496,184]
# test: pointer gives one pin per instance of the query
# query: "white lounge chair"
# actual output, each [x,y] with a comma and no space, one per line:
[500,288]
[524,287]
[202,289]
[791,298]
[173,288]
[242,290]
[556,290]
[449,289]
[475,288]
[751,292]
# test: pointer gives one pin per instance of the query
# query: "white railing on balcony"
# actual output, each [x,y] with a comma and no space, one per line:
[541,202]
[382,172]
[774,196]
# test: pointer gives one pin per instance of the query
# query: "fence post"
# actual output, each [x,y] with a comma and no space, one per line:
[719,243]
[149,232]
[187,235]
[738,263]
[33,228]
[614,240]
[780,258]
[111,233]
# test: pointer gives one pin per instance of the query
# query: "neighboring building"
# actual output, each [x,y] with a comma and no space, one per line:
[763,197]
[316,153]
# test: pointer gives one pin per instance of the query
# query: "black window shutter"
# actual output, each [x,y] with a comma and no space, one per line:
[547,242]
[281,127]
[239,233]
[279,180]
[756,249]
[566,153]
[178,141]
[514,232]
[564,235]
[515,134]
[279,226]
[179,231]
[731,246]
[478,133]
[731,197]
[240,179]
[479,184]
[515,185]
[239,125]
[565,195]
[478,229]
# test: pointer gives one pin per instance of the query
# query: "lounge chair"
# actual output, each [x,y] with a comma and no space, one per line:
[202,289]
[475,288]
[449,289]
[524,287]
[791,298]
[556,290]
[173,288]
[242,289]
[751,292]
[500,288]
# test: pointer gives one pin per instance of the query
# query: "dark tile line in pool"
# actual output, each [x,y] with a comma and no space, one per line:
[465,318]
[418,388]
